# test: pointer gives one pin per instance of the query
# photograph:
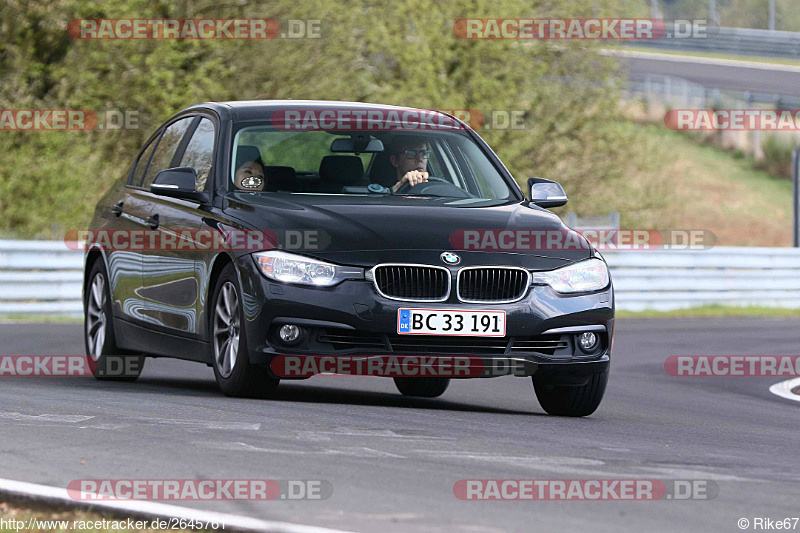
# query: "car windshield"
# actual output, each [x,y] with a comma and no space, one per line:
[269,160]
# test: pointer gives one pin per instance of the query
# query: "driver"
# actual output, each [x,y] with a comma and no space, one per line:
[410,162]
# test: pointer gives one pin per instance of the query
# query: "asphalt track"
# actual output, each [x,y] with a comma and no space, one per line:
[715,73]
[393,461]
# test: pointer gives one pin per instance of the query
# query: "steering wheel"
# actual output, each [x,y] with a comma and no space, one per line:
[404,188]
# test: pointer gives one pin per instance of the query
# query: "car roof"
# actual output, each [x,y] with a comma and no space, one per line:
[254,109]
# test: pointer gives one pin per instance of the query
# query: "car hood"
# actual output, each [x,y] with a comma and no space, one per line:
[366,230]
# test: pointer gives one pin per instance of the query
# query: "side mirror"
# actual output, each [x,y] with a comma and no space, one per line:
[546,193]
[180,183]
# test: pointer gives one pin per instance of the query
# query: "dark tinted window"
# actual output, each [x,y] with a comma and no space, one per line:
[166,148]
[141,164]
[199,152]
[313,167]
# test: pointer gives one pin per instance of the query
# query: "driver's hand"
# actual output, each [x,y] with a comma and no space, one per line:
[412,177]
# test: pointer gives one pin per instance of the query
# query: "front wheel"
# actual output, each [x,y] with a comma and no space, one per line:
[422,387]
[232,369]
[570,400]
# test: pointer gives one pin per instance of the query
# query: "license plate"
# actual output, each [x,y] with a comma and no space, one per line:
[451,322]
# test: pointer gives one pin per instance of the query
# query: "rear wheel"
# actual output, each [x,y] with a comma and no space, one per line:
[232,369]
[570,400]
[422,387]
[106,360]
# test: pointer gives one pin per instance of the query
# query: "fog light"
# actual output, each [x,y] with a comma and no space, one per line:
[587,341]
[289,333]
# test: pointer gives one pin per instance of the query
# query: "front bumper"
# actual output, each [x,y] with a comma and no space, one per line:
[352,319]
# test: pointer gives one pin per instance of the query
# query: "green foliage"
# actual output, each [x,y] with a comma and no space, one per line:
[396,53]
[777,157]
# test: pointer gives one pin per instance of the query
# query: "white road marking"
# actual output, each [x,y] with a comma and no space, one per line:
[784,389]
[348,432]
[203,424]
[554,461]
[680,472]
[355,451]
[159,510]
[361,451]
[589,467]
[69,419]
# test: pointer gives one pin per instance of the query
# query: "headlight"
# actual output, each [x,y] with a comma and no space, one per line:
[291,268]
[589,275]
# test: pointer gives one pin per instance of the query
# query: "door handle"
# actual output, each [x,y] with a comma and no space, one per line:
[152,222]
[117,209]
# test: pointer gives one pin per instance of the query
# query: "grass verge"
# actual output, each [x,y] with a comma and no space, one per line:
[720,311]
[19,516]
[33,319]
[713,189]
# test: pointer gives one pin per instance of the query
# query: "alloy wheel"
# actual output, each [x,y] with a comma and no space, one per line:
[96,316]
[226,330]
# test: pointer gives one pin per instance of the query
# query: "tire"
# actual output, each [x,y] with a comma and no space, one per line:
[106,361]
[570,400]
[422,387]
[232,369]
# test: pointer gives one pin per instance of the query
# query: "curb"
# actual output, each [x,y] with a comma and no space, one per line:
[22,491]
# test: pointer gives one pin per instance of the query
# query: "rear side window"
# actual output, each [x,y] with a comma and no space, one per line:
[165,151]
[199,152]
[141,163]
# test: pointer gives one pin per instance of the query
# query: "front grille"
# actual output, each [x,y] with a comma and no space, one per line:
[346,340]
[434,344]
[492,284]
[417,283]
[343,340]
[546,344]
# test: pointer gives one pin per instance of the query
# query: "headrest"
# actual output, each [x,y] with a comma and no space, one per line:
[280,179]
[345,169]
[245,154]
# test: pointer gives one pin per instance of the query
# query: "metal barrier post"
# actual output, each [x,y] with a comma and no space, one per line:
[796,197]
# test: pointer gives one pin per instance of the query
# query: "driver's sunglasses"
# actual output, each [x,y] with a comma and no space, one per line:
[413,154]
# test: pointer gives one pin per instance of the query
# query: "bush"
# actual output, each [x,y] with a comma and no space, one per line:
[777,157]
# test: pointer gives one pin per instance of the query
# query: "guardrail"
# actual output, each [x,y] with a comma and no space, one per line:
[40,278]
[673,279]
[738,41]
[674,92]
[44,278]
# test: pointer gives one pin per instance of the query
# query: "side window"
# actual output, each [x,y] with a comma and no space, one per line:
[166,148]
[141,163]
[200,151]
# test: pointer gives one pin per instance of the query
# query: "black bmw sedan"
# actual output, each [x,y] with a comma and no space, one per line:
[282,239]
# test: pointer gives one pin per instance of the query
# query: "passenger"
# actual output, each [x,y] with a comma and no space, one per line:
[250,176]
